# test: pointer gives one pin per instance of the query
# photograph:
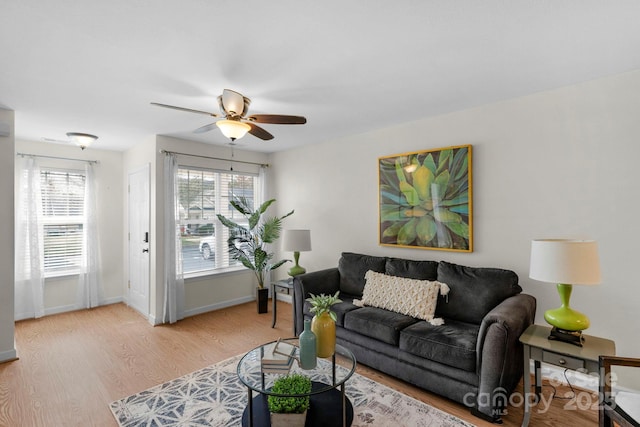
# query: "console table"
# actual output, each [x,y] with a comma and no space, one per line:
[540,349]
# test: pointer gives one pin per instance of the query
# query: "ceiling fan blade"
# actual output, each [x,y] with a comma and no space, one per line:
[205,128]
[258,132]
[189,110]
[277,119]
[234,103]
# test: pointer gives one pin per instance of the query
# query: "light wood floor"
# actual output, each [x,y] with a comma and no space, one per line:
[72,365]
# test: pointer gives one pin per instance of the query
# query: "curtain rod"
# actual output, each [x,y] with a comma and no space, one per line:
[264,165]
[54,157]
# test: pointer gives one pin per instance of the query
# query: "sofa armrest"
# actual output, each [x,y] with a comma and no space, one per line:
[499,352]
[317,282]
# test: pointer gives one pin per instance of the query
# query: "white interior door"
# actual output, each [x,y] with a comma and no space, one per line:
[139,240]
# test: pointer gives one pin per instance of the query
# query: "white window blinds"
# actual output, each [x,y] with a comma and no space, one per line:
[203,193]
[62,219]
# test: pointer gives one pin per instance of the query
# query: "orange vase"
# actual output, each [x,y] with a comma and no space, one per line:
[325,329]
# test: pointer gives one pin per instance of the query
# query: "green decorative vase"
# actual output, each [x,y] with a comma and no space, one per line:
[307,341]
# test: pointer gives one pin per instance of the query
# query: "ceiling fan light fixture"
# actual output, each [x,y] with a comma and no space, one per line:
[233,129]
[82,140]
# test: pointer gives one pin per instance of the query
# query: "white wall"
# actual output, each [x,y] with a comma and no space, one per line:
[554,164]
[60,292]
[7,348]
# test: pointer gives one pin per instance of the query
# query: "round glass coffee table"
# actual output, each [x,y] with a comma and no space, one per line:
[329,406]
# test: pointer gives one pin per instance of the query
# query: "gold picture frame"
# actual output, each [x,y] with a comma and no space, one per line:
[425,199]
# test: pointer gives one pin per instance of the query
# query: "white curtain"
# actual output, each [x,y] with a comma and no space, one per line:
[29,258]
[173,276]
[89,290]
[262,194]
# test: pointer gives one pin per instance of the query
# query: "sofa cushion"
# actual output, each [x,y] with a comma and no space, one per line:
[352,268]
[377,323]
[474,291]
[415,298]
[421,270]
[452,344]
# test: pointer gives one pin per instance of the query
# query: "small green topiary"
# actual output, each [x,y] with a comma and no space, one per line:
[290,384]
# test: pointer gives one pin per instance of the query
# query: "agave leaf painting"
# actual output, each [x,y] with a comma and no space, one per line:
[425,199]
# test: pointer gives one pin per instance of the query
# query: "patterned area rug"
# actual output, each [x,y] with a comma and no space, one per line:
[214,396]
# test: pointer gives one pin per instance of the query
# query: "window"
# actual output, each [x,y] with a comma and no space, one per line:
[203,193]
[62,218]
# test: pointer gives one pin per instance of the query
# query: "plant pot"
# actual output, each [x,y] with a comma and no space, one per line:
[325,330]
[288,420]
[262,300]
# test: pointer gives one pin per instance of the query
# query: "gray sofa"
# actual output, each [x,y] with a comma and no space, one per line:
[475,358]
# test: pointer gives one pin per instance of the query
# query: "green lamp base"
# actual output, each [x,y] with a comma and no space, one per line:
[296,269]
[567,323]
[565,317]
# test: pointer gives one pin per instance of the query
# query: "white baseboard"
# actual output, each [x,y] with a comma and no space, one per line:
[60,309]
[23,316]
[9,355]
[67,308]
[113,300]
[218,306]
[64,309]
[152,320]
[47,312]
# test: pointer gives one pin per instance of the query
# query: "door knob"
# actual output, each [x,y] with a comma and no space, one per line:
[145,250]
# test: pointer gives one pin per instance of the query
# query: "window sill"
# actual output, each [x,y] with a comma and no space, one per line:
[198,275]
[60,274]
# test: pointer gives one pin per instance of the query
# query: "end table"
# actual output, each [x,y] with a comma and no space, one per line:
[539,348]
[283,284]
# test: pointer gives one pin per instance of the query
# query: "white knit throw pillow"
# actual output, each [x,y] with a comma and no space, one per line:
[412,297]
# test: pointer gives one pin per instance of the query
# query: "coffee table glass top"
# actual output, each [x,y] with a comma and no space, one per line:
[250,373]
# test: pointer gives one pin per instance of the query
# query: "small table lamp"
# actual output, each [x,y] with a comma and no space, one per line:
[566,263]
[296,241]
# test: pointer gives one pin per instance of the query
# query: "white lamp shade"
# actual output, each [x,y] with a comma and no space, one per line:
[571,262]
[296,240]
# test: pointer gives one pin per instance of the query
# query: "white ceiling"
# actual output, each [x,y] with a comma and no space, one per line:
[348,66]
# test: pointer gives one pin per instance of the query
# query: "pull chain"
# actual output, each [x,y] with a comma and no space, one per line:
[231,169]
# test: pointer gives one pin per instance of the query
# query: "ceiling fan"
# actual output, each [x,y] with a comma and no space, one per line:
[235,123]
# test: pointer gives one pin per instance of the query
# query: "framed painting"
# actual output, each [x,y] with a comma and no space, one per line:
[425,199]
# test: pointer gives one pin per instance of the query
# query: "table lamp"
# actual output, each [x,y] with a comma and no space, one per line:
[566,263]
[296,241]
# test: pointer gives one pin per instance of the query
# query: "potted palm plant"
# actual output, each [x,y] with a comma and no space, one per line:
[289,411]
[248,243]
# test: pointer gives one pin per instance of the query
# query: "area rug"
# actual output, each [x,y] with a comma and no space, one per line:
[214,396]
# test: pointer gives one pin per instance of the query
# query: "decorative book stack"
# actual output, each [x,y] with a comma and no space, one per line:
[278,357]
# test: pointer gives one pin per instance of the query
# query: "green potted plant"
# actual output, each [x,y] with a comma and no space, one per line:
[289,411]
[248,243]
[323,323]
